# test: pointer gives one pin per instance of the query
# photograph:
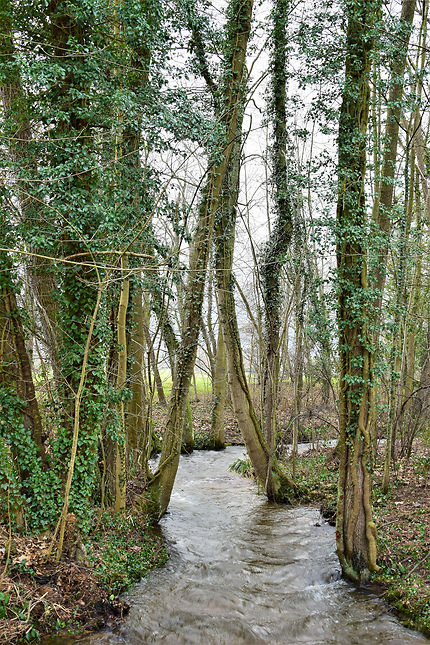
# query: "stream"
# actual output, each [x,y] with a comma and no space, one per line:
[243,572]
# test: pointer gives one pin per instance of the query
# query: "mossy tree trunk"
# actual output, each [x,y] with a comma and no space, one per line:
[78,219]
[187,445]
[18,126]
[15,365]
[137,404]
[355,529]
[270,476]
[120,448]
[298,383]
[260,449]
[279,241]
[382,212]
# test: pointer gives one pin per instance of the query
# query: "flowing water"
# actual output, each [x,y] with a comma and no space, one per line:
[243,572]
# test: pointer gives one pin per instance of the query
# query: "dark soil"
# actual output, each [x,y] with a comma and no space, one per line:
[39,596]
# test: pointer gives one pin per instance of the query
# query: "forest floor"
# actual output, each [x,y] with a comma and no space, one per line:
[403,520]
[39,596]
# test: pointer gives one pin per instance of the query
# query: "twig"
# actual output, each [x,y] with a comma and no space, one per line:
[418,564]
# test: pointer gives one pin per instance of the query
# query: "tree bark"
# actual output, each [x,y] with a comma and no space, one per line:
[280,237]
[219,394]
[15,364]
[277,485]
[355,529]
[17,125]
[384,198]
[120,449]
[137,405]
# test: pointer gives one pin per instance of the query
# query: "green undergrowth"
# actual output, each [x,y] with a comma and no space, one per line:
[40,597]
[301,494]
[318,473]
[403,520]
[410,597]
[242,467]
[123,550]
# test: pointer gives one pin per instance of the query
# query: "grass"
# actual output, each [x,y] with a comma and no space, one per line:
[202,381]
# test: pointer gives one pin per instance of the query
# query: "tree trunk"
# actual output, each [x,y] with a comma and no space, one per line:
[298,386]
[219,394]
[276,484]
[188,431]
[355,529]
[17,125]
[120,449]
[15,365]
[280,237]
[137,405]
[384,197]
[157,378]
[80,286]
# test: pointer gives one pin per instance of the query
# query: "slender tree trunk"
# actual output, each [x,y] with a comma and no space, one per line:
[120,449]
[137,405]
[15,363]
[298,387]
[384,198]
[276,484]
[188,431]
[219,393]
[155,371]
[280,237]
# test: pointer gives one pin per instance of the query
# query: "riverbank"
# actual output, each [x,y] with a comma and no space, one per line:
[40,597]
[403,520]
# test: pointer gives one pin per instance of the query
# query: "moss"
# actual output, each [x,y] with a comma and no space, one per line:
[410,599]
[205,441]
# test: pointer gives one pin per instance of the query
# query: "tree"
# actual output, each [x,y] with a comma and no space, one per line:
[355,529]
[275,250]
[237,29]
